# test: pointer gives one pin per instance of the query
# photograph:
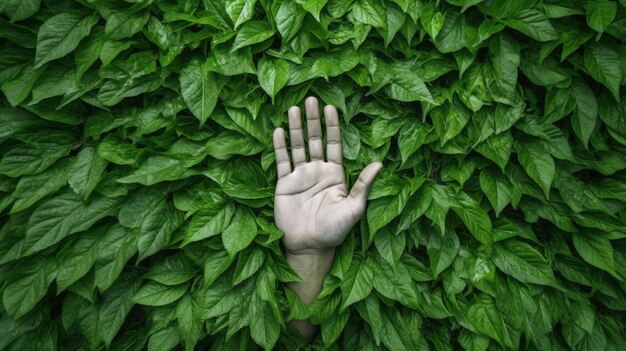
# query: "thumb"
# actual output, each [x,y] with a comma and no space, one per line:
[360,189]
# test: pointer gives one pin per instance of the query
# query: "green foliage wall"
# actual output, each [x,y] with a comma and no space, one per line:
[137,173]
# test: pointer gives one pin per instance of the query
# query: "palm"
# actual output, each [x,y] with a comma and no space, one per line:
[313,201]
[312,205]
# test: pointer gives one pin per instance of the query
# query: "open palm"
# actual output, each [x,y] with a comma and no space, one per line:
[312,204]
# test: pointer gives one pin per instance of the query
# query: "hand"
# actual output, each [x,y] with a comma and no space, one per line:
[312,205]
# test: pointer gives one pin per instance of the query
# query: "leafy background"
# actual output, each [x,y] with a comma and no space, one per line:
[137,173]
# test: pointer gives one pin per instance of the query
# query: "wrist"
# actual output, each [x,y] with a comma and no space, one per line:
[311,252]
[311,264]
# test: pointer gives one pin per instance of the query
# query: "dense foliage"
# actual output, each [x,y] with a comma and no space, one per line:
[137,172]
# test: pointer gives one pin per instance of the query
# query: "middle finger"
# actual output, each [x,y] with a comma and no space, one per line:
[314,129]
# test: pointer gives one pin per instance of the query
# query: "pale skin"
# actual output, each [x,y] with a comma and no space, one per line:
[312,205]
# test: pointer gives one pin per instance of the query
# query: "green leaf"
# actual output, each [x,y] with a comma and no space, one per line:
[395,20]
[343,258]
[189,324]
[117,247]
[370,312]
[459,172]
[87,172]
[28,285]
[155,294]
[574,270]
[473,342]
[561,10]
[111,49]
[125,23]
[19,10]
[449,122]
[116,304]
[136,65]
[144,202]
[497,188]
[523,262]
[497,148]
[15,120]
[62,216]
[610,189]
[350,142]
[241,231]
[369,12]
[455,34]
[215,265]
[396,333]
[484,316]
[358,282]
[240,11]
[16,90]
[390,246]
[407,86]
[482,125]
[575,195]
[199,89]
[595,248]
[55,81]
[77,257]
[442,251]
[114,91]
[314,7]
[431,20]
[505,58]
[537,164]
[55,114]
[252,32]
[411,136]
[332,329]
[533,23]
[273,75]
[395,284]
[209,222]
[116,150]
[264,327]
[164,340]
[381,131]
[135,150]
[87,53]
[248,263]
[331,94]
[546,73]
[600,14]
[60,34]
[382,211]
[158,169]
[289,19]
[224,62]
[330,64]
[156,229]
[254,127]
[172,270]
[416,206]
[586,112]
[228,143]
[32,188]
[474,217]
[553,140]
[441,198]
[604,65]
